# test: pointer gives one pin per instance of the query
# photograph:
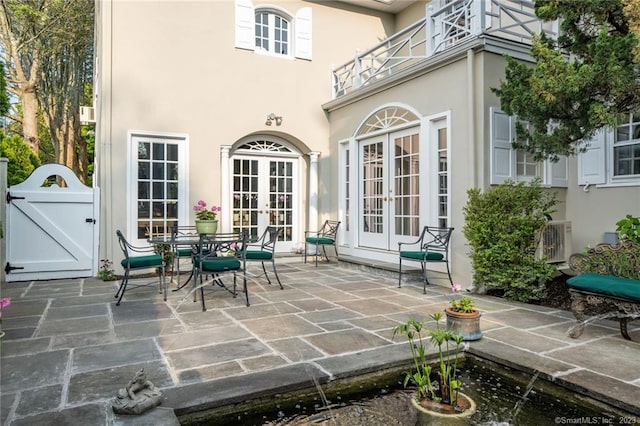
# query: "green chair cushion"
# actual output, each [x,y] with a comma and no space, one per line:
[320,240]
[420,255]
[258,255]
[143,261]
[184,252]
[626,288]
[220,264]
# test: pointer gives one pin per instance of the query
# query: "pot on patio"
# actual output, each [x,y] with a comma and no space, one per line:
[466,324]
[206,226]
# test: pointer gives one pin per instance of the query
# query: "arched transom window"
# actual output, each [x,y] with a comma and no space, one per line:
[264,146]
[387,118]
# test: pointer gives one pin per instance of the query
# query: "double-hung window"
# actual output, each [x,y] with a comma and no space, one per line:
[519,166]
[626,147]
[612,156]
[272,33]
[273,30]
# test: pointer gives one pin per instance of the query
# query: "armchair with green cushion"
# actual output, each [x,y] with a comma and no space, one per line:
[220,254]
[431,246]
[182,252]
[263,250]
[327,235]
[138,258]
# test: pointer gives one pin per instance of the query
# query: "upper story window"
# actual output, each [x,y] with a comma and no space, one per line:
[273,30]
[272,33]
[612,156]
[519,166]
[626,147]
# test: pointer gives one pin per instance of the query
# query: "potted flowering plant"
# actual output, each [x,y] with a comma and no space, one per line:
[206,218]
[462,316]
[438,397]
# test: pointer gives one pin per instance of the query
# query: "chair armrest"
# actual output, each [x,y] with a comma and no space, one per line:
[407,243]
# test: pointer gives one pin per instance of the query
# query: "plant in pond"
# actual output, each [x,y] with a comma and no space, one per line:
[106,272]
[442,384]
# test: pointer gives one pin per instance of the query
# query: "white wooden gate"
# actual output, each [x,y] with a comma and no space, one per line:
[52,231]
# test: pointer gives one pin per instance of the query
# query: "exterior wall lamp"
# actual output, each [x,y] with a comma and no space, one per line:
[271,118]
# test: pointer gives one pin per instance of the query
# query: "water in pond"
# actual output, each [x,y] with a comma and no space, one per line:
[504,397]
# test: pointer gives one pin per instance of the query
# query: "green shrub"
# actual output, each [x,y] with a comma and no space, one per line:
[629,228]
[503,227]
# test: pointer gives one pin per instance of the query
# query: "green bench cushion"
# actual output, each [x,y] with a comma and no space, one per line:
[143,261]
[626,288]
[220,264]
[420,255]
[320,240]
[258,255]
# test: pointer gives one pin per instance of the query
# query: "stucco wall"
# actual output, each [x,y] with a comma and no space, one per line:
[442,90]
[167,66]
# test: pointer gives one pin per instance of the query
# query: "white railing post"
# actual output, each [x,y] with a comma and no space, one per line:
[357,66]
[431,31]
[477,16]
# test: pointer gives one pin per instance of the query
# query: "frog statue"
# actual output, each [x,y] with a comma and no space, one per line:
[138,396]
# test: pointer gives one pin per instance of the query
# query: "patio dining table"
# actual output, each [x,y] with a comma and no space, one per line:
[191,241]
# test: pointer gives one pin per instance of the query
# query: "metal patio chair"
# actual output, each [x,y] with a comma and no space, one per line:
[263,250]
[327,235]
[432,246]
[182,252]
[220,254]
[138,258]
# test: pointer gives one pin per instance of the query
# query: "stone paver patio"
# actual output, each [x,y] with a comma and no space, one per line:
[68,348]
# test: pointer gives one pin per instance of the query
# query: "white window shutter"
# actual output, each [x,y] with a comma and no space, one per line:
[591,163]
[559,172]
[503,161]
[303,26]
[245,25]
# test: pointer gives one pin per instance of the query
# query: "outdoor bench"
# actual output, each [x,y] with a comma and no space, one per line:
[607,284]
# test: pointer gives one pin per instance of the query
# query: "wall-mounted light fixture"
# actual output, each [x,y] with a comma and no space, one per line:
[271,118]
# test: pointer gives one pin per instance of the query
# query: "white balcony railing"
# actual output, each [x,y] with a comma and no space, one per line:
[446,24]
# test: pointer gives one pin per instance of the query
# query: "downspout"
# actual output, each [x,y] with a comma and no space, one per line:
[471,121]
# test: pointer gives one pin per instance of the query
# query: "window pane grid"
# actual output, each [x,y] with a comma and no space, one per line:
[626,149]
[372,164]
[407,198]
[443,179]
[272,33]
[157,196]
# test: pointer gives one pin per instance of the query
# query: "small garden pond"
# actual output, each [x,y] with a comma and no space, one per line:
[504,397]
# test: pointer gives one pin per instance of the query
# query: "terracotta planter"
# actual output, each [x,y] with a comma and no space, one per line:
[466,324]
[206,226]
[431,413]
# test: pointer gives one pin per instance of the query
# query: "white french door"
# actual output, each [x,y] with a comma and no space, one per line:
[265,193]
[389,189]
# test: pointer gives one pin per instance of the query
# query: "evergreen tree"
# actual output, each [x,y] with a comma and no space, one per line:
[581,82]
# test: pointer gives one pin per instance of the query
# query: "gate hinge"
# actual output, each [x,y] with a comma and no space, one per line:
[9,268]
[11,197]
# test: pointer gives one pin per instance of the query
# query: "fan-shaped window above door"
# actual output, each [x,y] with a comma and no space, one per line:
[385,119]
[264,146]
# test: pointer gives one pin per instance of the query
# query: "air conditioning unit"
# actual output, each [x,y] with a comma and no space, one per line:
[87,115]
[555,242]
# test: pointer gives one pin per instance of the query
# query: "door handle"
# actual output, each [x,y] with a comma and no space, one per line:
[90,220]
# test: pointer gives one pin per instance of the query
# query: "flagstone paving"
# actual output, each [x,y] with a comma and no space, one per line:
[68,348]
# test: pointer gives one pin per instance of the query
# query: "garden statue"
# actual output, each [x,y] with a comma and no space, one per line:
[138,396]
